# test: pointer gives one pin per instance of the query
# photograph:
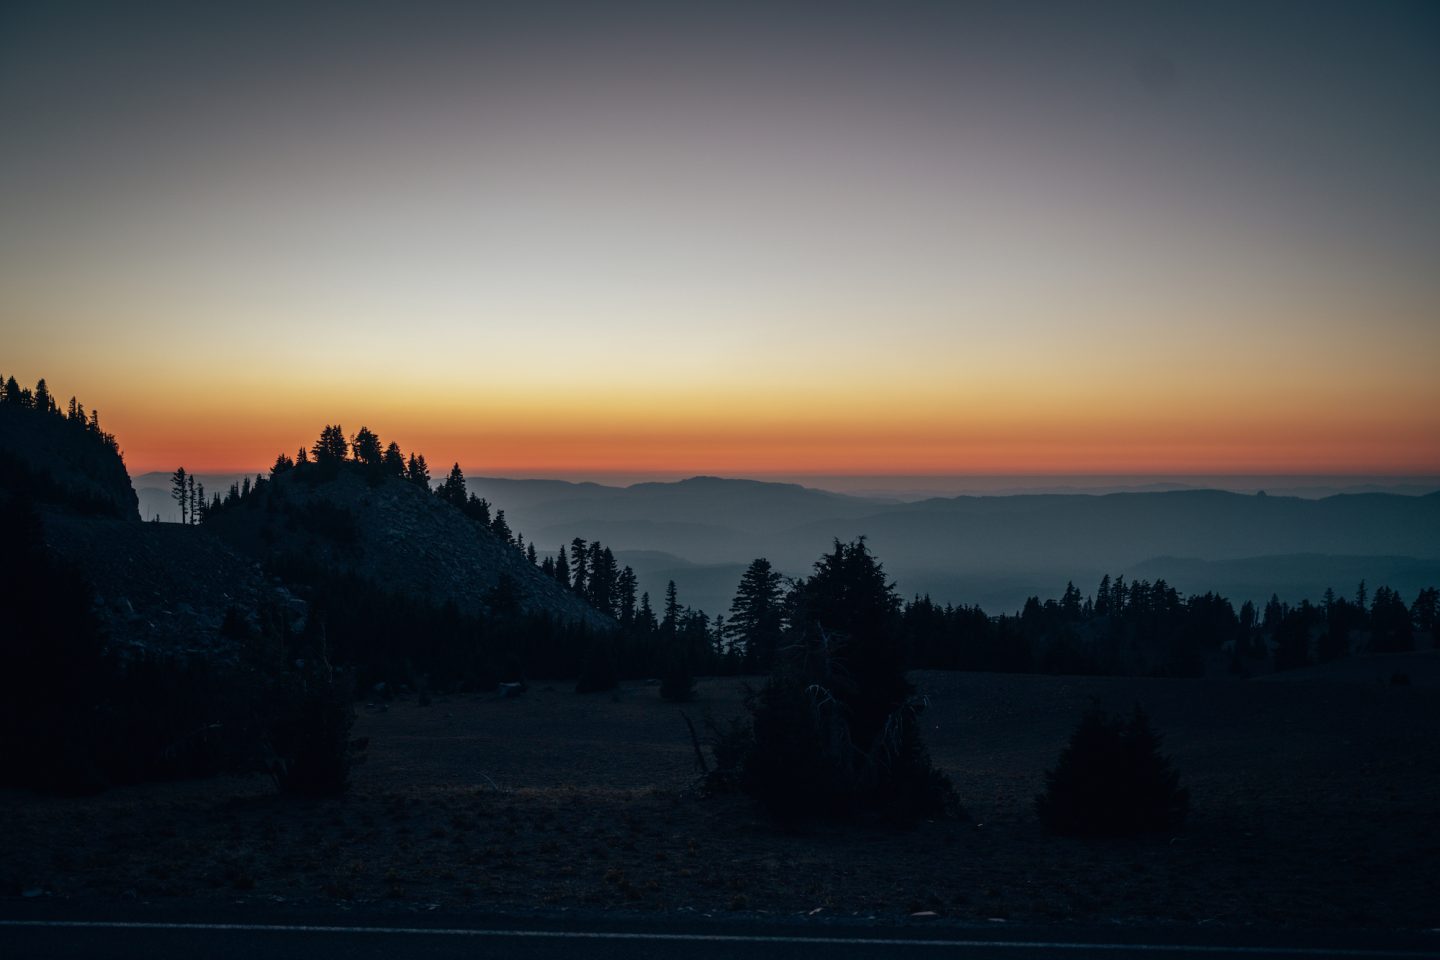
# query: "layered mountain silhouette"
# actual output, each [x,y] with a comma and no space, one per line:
[994,550]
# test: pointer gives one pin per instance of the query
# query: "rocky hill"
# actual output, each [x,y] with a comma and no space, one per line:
[166,588]
[390,533]
[158,588]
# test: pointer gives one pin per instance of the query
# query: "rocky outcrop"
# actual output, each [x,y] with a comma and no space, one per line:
[394,534]
[165,588]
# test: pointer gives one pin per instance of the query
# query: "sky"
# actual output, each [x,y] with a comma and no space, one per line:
[740,239]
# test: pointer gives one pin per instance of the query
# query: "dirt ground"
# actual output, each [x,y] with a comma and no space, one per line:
[1313,805]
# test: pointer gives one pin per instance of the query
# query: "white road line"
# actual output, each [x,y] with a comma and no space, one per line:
[732,938]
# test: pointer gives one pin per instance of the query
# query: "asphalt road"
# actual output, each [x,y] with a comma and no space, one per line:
[63,937]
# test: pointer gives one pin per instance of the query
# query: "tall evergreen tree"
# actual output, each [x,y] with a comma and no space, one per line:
[417,471]
[393,461]
[645,616]
[562,568]
[755,615]
[478,509]
[670,622]
[500,528]
[367,448]
[332,447]
[625,585]
[180,492]
[452,489]
[577,565]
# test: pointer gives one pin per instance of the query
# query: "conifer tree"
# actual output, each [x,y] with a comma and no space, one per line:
[417,471]
[670,622]
[645,617]
[562,568]
[625,585]
[330,449]
[393,461]
[478,509]
[500,528]
[367,447]
[755,615]
[578,557]
[179,492]
[452,489]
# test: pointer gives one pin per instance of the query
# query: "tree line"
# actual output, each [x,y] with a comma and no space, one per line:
[42,400]
[1135,627]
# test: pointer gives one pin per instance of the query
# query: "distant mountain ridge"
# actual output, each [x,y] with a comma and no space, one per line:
[995,550]
[992,549]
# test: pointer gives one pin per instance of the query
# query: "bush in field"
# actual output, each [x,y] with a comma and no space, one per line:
[311,752]
[836,729]
[1112,780]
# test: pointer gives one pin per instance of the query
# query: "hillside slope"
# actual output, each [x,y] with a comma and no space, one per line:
[392,534]
[54,459]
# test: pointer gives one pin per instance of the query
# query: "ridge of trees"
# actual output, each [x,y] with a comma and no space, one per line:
[41,400]
[1123,628]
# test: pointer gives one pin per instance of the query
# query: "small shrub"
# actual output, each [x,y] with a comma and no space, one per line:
[311,750]
[1112,780]
[730,743]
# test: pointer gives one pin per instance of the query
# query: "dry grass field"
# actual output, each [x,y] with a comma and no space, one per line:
[1314,804]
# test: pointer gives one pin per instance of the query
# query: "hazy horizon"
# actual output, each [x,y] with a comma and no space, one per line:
[916,487]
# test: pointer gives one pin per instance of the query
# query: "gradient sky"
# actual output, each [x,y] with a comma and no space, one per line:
[736,238]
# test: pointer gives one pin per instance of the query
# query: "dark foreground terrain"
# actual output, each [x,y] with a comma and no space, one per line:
[1315,805]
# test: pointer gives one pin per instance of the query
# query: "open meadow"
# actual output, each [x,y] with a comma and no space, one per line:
[1314,804]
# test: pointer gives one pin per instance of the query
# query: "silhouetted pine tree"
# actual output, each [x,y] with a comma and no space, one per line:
[332,447]
[393,461]
[500,528]
[562,568]
[366,446]
[578,557]
[417,471]
[756,616]
[452,488]
[179,492]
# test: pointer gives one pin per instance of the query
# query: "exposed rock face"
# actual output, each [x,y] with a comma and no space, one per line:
[394,534]
[63,462]
[166,588]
